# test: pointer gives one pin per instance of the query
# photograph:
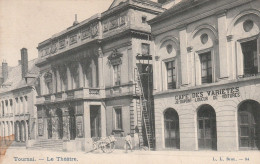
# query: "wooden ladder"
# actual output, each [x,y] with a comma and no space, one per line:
[142,112]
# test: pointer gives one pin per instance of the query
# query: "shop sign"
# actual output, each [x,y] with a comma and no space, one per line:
[224,93]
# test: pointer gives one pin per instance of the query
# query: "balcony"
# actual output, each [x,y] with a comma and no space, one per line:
[74,94]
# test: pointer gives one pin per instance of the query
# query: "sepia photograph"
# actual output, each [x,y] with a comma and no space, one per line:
[130,81]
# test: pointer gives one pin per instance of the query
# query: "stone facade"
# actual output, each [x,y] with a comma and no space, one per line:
[88,76]
[206,75]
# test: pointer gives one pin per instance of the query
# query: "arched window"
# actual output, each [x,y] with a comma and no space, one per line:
[171,129]
[207,132]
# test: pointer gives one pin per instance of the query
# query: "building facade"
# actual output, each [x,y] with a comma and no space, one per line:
[206,69]
[17,97]
[88,77]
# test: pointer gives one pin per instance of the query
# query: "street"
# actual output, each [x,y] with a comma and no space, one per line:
[22,155]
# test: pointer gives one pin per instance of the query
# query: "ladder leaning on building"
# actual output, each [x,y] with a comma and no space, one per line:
[143,117]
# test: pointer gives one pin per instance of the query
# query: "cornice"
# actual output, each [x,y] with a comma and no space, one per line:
[218,11]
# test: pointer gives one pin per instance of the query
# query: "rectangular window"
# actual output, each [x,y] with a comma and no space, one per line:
[206,67]
[171,74]
[118,118]
[145,49]
[249,50]
[117,72]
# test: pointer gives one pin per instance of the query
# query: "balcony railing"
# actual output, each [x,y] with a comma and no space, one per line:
[79,93]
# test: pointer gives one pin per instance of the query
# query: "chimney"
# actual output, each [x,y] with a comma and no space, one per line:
[24,61]
[4,70]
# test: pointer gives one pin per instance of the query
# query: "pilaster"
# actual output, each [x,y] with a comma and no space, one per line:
[184,57]
[223,53]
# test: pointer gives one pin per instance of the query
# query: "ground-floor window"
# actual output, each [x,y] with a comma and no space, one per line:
[95,121]
[249,125]
[207,133]
[171,129]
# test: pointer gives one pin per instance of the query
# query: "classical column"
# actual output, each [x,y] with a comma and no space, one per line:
[65,117]
[26,130]
[53,78]
[87,129]
[42,85]
[103,121]
[100,68]
[94,74]
[58,81]
[69,78]
[26,104]
[223,53]
[81,76]
[184,57]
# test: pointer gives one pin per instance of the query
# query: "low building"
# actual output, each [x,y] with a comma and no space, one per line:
[17,96]
[206,75]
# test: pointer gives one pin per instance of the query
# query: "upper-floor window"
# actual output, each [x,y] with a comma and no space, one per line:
[117,72]
[171,75]
[118,118]
[249,50]
[145,49]
[206,67]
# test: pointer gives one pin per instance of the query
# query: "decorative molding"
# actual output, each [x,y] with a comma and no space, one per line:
[115,57]
[189,49]
[230,38]
[157,58]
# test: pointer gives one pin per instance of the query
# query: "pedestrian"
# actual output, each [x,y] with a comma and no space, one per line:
[128,142]
[112,141]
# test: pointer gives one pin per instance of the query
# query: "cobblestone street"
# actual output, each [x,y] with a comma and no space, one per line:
[119,156]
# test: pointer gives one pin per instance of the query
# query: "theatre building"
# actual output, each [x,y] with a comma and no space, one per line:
[206,69]
[89,73]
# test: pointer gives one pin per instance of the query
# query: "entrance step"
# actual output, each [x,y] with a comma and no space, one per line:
[49,144]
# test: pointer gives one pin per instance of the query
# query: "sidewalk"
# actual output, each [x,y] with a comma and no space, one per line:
[120,157]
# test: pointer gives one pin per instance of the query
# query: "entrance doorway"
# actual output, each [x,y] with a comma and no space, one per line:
[60,123]
[207,132]
[249,125]
[49,127]
[95,122]
[171,129]
[72,123]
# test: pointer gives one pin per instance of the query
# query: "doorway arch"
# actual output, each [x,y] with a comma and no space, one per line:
[207,131]
[72,123]
[249,125]
[171,129]
[60,123]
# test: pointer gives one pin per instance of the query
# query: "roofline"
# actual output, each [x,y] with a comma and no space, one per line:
[172,13]
[100,16]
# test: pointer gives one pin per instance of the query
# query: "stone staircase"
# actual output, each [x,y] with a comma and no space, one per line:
[48,144]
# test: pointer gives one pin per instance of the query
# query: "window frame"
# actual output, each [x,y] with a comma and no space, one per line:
[116,127]
[173,61]
[117,75]
[208,53]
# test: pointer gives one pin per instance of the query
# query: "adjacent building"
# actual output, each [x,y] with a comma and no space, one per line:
[17,98]
[90,79]
[206,69]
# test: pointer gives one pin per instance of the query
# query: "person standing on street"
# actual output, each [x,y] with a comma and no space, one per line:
[128,142]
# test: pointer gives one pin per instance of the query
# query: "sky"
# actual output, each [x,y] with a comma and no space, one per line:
[25,23]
